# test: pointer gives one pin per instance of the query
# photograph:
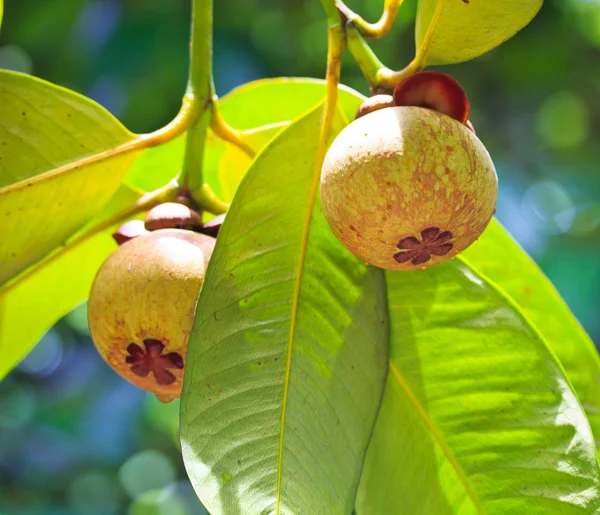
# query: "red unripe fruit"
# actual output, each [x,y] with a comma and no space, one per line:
[434,90]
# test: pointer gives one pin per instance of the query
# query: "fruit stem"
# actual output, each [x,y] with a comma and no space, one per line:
[208,200]
[201,91]
[334,13]
[200,82]
[377,74]
[387,78]
[191,177]
[367,61]
[373,30]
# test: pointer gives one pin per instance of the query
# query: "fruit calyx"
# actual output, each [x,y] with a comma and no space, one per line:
[212,227]
[172,215]
[375,103]
[434,90]
[128,231]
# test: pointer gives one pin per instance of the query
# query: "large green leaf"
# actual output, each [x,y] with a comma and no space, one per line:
[501,259]
[452,31]
[34,301]
[288,355]
[478,416]
[44,131]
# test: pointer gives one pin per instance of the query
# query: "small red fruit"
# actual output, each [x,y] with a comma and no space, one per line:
[434,90]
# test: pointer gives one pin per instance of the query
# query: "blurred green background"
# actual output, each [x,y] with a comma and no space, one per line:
[77,439]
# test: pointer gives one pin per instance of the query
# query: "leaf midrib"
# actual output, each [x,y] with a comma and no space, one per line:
[423,50]
[77,164]
[437,436]
[294,317]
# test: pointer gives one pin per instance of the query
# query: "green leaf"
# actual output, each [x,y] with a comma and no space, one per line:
[288,355]
[478,416]
[1,11]
[452,31]
[260,109]
[44,131]
[35,300]
[226,164]
[268,101]
[156,166]
[501,259]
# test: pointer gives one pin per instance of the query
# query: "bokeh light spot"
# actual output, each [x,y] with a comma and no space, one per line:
[549,207]
[17,405]
[147,470]
[563,121]
[164,501]
[587,219]
[94,493]
[15,58]
[45,357]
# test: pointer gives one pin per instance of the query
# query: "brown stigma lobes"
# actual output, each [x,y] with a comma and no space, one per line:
[151,359]
[418,252]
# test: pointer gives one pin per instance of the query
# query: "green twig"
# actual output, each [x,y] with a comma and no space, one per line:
[377,29]
[377,74]
[201,90]
[364,56]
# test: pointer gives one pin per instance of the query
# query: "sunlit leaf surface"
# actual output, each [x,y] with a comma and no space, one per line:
[452,31]
[288,355]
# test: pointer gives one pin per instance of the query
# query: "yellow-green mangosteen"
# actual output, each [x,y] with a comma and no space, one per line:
[405,188]
[142,304]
